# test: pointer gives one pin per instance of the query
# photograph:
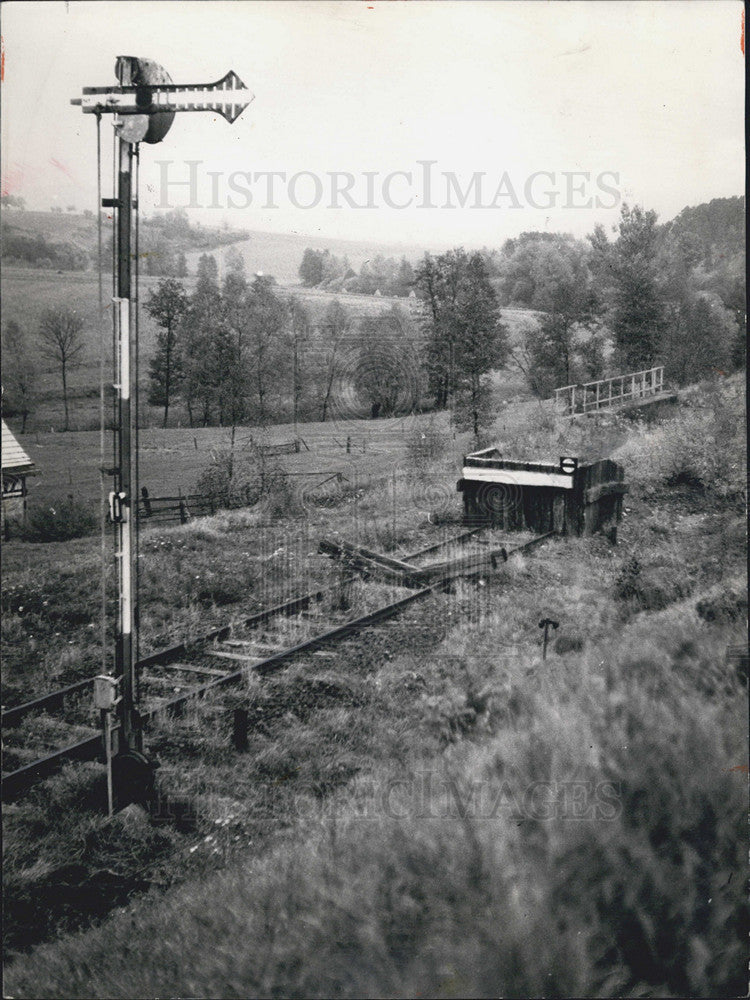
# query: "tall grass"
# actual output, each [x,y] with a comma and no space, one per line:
[465,819]
[588,846]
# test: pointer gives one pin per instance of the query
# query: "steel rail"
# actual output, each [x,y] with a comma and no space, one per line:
[16,782]
[53,699]
[12,716]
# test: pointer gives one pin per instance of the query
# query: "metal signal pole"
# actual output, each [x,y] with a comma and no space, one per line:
[145,102]
[125,495]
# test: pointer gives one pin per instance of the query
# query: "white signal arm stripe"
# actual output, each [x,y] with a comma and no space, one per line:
[180,100]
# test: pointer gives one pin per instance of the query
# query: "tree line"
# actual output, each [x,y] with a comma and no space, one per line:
[647,294]
[379,276]
[243,351]
[239,351]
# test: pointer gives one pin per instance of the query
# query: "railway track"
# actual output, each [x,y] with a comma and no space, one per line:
[170,678]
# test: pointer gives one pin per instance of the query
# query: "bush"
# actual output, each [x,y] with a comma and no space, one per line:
[241,478]
[279,498]
[727,603]
[703,447]
[61,521]
[650,588]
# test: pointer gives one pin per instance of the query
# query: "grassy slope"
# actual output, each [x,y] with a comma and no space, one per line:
[338,878]
[278,254]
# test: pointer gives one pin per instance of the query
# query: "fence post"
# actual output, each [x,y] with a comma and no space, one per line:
[146,501]
[348,444]
[183,512]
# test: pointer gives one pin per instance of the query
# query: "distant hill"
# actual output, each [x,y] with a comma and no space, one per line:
[68,241]
[280,254]
[713,234]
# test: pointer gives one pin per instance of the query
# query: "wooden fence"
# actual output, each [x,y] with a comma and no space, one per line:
[609,392]
[186,505]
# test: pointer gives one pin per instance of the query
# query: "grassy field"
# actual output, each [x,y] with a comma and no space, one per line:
[27,293]
[455,816]
[172,459]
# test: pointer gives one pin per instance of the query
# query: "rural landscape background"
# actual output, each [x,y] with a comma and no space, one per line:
[643,686]
[450,802]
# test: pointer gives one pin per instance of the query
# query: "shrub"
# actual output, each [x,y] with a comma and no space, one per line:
[650,588]
[279,498]
[61,521]
[241,478]
[727,603]
[702,447]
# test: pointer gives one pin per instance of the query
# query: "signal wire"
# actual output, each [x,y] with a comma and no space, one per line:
[135,501]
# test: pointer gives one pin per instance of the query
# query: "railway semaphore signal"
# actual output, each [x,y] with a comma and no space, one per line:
[228,97]
[144,102]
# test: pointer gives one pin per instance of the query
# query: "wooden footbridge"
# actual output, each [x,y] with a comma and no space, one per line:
[621,391]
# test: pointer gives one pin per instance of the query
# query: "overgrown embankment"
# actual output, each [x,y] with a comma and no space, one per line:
[450,814]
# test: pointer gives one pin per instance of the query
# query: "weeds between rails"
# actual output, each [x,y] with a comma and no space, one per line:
[25,776]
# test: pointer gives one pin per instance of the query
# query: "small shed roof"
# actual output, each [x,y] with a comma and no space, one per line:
[14,458]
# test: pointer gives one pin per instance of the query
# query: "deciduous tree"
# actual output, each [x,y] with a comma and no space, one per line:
[628,267]
[329,354]
[61,340]
[269,342]
[203,324]
[466,338]
[167,304]
[311,268]
[19,377]
[388,371]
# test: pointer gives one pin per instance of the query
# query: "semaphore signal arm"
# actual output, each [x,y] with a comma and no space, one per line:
[227,97]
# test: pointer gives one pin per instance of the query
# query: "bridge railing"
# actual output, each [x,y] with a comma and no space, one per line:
[608,392]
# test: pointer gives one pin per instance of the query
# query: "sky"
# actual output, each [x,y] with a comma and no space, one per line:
[534,115]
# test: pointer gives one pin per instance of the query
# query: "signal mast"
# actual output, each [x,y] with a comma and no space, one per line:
[144,103]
